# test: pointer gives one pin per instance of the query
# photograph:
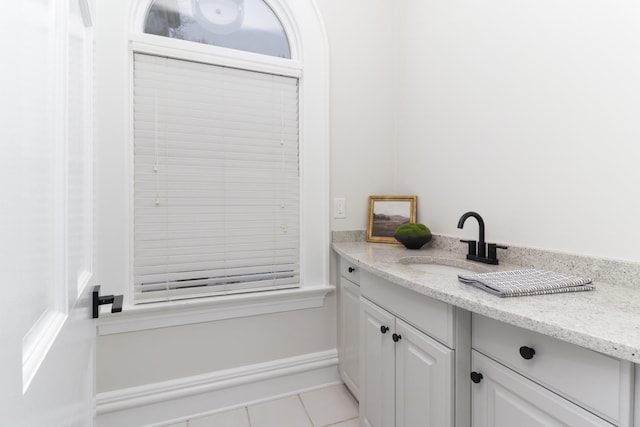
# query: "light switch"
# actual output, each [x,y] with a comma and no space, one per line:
[340,208]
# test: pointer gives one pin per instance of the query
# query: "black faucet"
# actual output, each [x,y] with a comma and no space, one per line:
[478,250]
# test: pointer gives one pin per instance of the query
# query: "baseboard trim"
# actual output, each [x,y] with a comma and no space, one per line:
[184,397]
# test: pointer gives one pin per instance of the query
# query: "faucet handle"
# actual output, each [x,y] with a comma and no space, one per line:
[492,252]
[472,246]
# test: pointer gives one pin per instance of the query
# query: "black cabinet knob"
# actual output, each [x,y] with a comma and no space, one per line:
[396,337]
[384,329]
[476,377]
[527,352]
[351,269]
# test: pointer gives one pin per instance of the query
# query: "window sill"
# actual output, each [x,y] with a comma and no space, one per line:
[176,313]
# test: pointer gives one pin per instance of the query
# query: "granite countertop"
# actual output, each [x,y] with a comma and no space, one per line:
[606,319]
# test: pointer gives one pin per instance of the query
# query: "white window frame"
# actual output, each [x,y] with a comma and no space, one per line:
[309,62]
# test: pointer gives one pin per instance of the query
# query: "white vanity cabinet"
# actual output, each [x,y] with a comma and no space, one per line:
[527,379]
[504,398]
[408,361]
[520,378]
[407,376]
[349,326]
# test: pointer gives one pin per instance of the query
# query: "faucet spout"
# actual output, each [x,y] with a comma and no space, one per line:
[481,243]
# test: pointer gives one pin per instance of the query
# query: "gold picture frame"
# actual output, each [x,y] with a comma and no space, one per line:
[386,214]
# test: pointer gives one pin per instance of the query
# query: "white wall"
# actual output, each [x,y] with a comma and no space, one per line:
[526,112]
[155,355]
[363,144]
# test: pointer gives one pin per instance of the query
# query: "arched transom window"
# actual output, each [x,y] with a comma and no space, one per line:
[247,25]
[216,155]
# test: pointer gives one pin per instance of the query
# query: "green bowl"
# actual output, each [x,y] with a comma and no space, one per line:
[413,242]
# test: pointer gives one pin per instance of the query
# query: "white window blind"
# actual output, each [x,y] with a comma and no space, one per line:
[216,180]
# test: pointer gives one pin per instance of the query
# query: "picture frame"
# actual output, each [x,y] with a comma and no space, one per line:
[386,214]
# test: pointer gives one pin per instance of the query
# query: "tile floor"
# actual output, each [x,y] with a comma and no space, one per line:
[330,406]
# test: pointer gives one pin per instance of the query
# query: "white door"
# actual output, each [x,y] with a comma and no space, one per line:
[47,335]
[377,367]
[424,380]
[504,398]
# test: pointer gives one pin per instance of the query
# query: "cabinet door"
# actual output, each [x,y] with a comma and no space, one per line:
[424,380]
[504,398]
[377,396]
[350,335]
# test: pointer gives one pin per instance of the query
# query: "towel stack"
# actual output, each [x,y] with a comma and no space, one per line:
[526,282]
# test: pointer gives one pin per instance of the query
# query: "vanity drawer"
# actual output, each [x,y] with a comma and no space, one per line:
[599,383]
[350,271]
[433,317]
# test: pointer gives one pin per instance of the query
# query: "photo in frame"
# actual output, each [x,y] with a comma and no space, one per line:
[386,214]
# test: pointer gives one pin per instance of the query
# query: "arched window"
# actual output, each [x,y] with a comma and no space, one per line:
[230,180]
[248,25]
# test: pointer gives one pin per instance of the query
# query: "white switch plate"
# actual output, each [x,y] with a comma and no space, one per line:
[340,207]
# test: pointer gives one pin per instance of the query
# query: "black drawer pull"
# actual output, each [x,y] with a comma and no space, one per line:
[396,337]
[351,269]
[476,377]
[384,329]
[527,352]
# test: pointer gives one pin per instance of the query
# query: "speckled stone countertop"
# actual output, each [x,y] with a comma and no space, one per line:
[605,320]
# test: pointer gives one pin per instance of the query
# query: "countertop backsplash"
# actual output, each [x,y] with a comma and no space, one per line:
[598,269]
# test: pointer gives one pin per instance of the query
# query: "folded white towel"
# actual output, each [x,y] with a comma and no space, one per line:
[526,282]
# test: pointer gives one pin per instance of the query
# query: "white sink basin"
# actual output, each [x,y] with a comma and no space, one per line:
[441,269]
[441,266]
